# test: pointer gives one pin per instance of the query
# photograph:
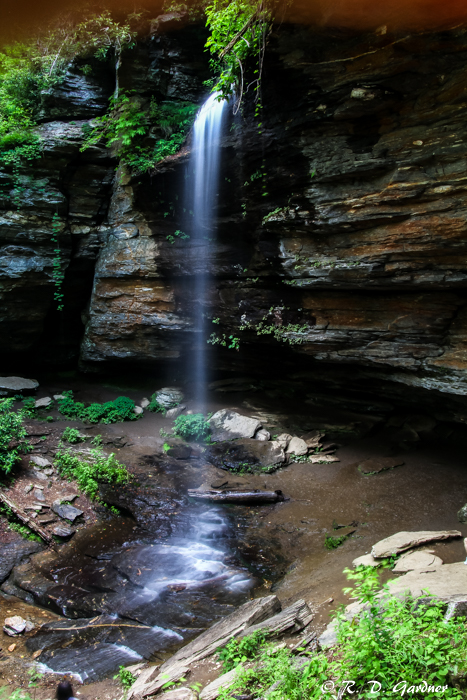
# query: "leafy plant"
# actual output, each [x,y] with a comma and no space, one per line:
[238,651]
[125,677]
[238,30]
[73,436]
[142,134]
[121,409]
[90,469]
[12,435]
[58,274]
[177,235]
[333,542]
[192,427]
[24,531]
[231,342]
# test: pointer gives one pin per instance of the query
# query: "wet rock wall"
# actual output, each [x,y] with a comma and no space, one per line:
[342,212]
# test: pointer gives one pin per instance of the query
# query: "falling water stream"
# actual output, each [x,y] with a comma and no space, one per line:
[201,195]
[170,587]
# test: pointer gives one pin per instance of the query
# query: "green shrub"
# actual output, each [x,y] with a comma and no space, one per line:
[239,650]
[333,542]
[73,436]
[125,677]
[155,406]
[192,427]
[12,435]
[399,643]
[116,411]
[88,470]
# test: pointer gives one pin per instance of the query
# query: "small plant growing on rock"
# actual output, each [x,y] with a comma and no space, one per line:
[121,409]
[125,677]
[238,651]
[91,469]
[73,436]
[192,427]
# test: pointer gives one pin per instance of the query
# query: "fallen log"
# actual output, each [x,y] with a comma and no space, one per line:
[43,534]
[244,498]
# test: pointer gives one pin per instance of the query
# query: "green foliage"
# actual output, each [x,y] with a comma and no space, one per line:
[404,645]
[12,436]
[238,651]
[73,436]
[24,531]
[121,409]
[177,235]
[231,342]
[90,469]
[58,274]
[192,427]
[333,542]
[291,333]
[238,30]
[29,406]
[125,677]
[142,134]
[155,406]
[166,447]
[29,69]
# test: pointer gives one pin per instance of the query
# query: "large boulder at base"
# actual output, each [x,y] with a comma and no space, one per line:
[169,396]
[10,386]
[401,541]
[66,512]
[229,425]
[297,446]
[238,455]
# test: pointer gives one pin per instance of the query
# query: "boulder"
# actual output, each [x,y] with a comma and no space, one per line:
[180,451]
[422,560]
[462,514]
[398,543]
[63,531]
[17,625]
[138,411]
[297,447]
[10,386]
[144,403]
[381,464]
[43,403]
[38,495]
[238,455]
[262,435]
[421,424]
[283,439]
[59,397]
[66,512]
[228,425]
[169,396]
[175,412]
[40,461]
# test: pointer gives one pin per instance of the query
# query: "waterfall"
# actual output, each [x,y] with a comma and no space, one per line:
[201,194]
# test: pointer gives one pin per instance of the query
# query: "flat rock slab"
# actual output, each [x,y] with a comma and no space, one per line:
[229,425]
[43,403]
[251,613]
[62,530]
[179,694]
[366,560]
[66,512]
[211,691]
[447,582]
[9,386]
[40,461]
[401,541]
[375,466]
[421,560]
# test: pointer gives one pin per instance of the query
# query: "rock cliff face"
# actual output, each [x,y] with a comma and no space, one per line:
[342,212]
